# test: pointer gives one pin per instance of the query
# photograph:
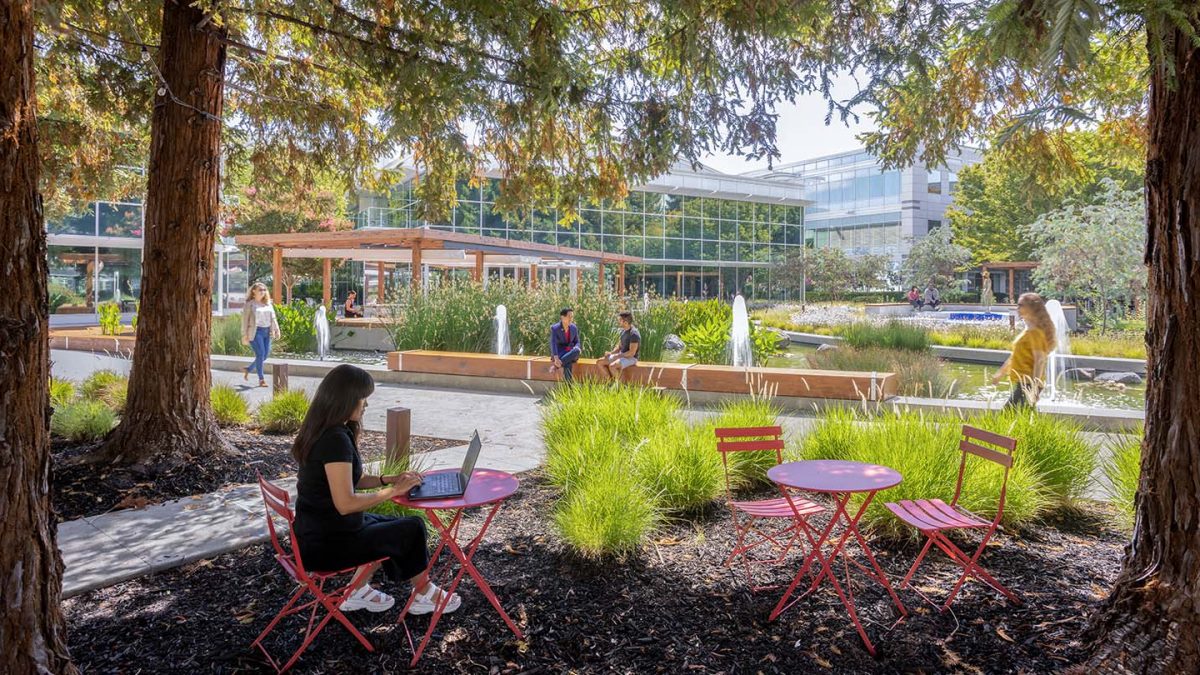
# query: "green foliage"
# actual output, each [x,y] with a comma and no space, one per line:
[924,449]
[935,259]
[60,296]
[829,270]
[109,316]
[297,334]
[891,335]
[283,413]
[62,392]
[107,387]
[692,314]
[1117,345]
[746,469]
[1122,471]
[655,325]
[607,516]
[227,336]
[82,421]
[918,374]
[680,467]
[229,406]
[708,342]
[1054,448]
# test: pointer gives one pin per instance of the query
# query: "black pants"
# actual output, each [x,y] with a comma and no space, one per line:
[1019,398]
[400,540]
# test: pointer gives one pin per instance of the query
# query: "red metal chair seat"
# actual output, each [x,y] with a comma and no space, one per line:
[931,515]
[777,508]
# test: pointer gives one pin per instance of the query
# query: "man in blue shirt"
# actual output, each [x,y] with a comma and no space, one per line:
[564,343]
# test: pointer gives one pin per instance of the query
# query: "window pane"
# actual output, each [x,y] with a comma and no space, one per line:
[72,278]
[83,222]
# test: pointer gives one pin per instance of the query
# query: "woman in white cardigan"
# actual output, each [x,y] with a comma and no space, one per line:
[259,327]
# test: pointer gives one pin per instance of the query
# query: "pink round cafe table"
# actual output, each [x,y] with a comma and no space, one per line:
[834,475]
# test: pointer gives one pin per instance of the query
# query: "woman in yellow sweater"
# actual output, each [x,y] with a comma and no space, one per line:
[1026,368]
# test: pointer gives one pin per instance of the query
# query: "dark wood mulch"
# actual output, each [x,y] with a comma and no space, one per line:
[79,490]
[671,608]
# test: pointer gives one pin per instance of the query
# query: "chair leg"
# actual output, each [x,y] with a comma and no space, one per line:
[972,568]
[917,563]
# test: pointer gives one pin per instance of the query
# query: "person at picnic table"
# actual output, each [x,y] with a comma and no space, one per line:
[564,344]
[932,297]
[624,355]
[332,525]
[259,327]
[1026,367]
[349,310]
[914,298]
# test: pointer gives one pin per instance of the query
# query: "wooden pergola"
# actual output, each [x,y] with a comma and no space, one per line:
[426,246]
[1010,267]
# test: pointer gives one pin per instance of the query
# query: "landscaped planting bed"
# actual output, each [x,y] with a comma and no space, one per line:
[669,607]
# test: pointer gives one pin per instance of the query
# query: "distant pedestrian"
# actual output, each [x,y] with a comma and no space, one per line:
[259,327]
[349,310]
[1026,367]
[564,344]
[914,298]
[624,355]
[932,297]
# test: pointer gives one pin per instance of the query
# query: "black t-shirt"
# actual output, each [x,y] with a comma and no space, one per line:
[315,512]
[628,336]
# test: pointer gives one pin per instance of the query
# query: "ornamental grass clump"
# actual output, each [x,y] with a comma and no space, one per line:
[82,421]
[1053,447]
[107,387]
[891,335]
[607,516]
[924,450]
[62,392]
[283,413]
[228,406]
[1122,472]
[746,469]
[226,337]
[680,467]
[917,374]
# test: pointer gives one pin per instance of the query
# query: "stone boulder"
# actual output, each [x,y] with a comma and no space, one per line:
[1080,374]
[1120,378]
[673,343]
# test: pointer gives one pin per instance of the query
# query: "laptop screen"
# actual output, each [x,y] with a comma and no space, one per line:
[468,466]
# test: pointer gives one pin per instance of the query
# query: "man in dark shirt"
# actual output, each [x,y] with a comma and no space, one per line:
[564,343]
[624,355]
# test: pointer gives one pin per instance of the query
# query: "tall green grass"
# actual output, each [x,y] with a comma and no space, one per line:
[1054,448]
[283,413]
[919,374]
[84,420]
[107,387]
[655,325]
[62,392]
[1122,472]
[227,336]
[228,406]
[608,516]
[891,335]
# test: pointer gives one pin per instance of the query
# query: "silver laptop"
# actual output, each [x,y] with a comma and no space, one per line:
[443,485]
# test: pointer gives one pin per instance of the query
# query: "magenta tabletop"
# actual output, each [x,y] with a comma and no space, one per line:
[832,475]
[487,486]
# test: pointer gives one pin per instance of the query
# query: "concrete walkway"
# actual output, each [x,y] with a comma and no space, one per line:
[107,549]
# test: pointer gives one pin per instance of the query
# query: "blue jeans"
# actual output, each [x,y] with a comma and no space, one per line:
[261,344]
[568,362]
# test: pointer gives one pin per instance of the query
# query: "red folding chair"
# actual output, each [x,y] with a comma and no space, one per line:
[934,517]
[747,515]
[308,582]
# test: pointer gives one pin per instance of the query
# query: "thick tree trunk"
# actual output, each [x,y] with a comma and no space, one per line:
[32,634]
[167,415]
[1151,622]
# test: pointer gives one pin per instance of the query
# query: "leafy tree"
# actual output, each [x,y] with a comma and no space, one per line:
[935,259]
[1000,195]
[829,270]
[1092,250]
[871,271]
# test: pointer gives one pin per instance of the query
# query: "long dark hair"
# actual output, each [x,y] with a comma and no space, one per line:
[334,403]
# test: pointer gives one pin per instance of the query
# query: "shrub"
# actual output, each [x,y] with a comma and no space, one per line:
[924,450]
[62,392]
[283,413]
[109,316]
[891,335]
[227,336]
[1122,472]
[680,467]
[655,325]
[229,406]
[81,421]
[59,296]
[606,516]
[296,331]
[107,387]
[707,342]
[1054,448]
[746,468]
[692,314]
[918,374]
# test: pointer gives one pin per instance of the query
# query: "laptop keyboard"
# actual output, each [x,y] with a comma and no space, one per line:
[440,482]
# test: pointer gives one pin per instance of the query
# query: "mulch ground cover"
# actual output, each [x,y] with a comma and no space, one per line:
[671,608]
[80,490]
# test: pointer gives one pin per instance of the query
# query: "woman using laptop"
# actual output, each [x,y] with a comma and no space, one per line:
[334,532]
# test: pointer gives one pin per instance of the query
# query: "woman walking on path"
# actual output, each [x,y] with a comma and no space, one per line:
[1026,367]
[259,327]
[333,530]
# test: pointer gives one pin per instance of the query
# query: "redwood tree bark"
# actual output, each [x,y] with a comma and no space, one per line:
[167,415]
[1151,621]
[32,634]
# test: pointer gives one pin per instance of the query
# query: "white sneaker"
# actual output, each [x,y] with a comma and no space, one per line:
[368,598]
[424,604]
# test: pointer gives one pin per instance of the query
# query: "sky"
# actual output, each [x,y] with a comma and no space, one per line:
[802,132]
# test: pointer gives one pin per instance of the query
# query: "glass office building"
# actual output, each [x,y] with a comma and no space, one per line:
[863,208]
[700,233]
[95,256]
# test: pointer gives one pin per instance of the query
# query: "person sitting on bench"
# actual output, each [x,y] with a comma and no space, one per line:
[914,298]
[932,297]
[624,355]
[350,310]
[564,344]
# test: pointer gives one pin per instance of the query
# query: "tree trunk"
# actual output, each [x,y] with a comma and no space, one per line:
[1151,621]
[167,415]
[32,634]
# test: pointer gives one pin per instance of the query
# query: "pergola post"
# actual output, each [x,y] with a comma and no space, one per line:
[277,274]
[327,282]
[600,276]
[679,284]
[574,283]
[478,273]
[1012,286]
[416,266]
[380,270]
[533,278]
[620,279]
